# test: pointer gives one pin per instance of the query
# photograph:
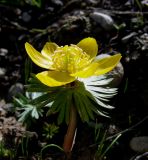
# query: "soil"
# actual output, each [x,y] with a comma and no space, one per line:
[122,27]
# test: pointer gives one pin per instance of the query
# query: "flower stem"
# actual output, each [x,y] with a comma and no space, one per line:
[70,135]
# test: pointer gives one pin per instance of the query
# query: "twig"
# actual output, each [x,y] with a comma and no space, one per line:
[117,12]
[129,13]
[128,129]
[141,156]
[120,133]
[15,24]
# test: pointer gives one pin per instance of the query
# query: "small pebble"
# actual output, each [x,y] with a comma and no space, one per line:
[14,90]
[9,107]
[26,17]
[3,52]
[57,2]
[2,72]
[139,144]
[104,20]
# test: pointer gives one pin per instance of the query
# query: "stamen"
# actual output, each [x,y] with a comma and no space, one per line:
[69,59]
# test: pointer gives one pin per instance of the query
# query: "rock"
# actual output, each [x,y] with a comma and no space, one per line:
[26,17]
[18,11]
[144,2]
[14,90]
[2,111]
[117,75]
[139,144]
[103,19]
[9,107]
[2,72]
[3,52]
[2,103]
[144,40]
[113,129]
[11,128]
[57,2]
[92,2]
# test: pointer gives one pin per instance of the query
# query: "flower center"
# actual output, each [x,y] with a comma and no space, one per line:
[69,59]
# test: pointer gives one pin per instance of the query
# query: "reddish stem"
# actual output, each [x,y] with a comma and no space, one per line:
[69,137]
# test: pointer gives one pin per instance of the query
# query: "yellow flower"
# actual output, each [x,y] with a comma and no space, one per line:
[67,63]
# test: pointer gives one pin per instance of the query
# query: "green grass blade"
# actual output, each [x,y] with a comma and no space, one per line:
[113,142]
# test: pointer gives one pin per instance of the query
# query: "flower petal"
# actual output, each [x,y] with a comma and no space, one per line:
[89,45]
[87,71]
[37,57]
[49,49]
[54,78]
[108,65]
[99,67]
